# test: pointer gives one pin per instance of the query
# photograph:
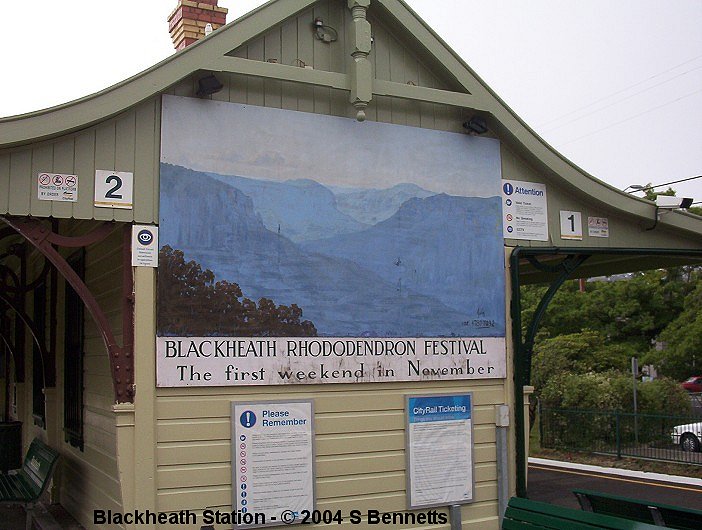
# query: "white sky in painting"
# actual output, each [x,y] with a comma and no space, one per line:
[286,145]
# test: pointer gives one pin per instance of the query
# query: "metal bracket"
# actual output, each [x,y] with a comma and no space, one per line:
[566,267]
[48,377]
[43,238]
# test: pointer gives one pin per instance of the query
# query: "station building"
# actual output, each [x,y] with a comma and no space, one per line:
[344,213]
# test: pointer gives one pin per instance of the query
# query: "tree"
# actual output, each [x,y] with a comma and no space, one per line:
[681,355]
[191,303]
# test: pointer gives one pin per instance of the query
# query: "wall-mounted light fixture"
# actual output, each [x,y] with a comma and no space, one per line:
[323,32]
[208,85]
[476,125]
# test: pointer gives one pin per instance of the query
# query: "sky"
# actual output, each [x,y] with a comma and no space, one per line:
[615,86]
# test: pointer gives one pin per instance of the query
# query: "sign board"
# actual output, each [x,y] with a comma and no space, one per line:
[57,187]
[314,266]
[238,361]
[597,227]
[524,211]
[439,438]
[273,460]
[571,225]
[144,246]
[113,189]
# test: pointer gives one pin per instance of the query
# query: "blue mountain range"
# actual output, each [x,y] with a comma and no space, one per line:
[434,268]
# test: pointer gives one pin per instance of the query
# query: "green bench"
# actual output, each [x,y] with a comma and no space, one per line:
[525,514]
[644,511]
[26,486]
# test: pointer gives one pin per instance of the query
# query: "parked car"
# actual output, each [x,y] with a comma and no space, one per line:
[688,436]
[693,384]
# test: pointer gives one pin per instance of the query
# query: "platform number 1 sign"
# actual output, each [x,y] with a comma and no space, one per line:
[113,189]
[571,225]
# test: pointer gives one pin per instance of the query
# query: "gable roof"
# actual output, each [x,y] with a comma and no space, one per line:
[212,54]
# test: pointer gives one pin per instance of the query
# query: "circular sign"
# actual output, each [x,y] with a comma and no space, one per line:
[247,419]
[145,237]
[508,188]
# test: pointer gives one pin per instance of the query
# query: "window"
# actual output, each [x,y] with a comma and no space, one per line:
[38,381]
[73,358]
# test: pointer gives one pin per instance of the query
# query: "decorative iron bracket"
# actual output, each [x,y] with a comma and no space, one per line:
[43,238]
[49,377]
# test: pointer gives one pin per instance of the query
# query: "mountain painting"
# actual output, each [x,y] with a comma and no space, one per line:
[296,224]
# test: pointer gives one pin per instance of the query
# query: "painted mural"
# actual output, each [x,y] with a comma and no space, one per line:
[282,223]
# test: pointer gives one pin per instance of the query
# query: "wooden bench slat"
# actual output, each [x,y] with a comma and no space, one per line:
[673,516]
[541,520]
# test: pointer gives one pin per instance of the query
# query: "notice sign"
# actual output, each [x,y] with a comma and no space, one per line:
[144,246]
[57,187]
[439,450]
[273,460]
[597,227]
[237,361]
[524,213]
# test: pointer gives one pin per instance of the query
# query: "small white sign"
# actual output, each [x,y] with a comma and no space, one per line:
[597,227]
[571,225]
[57,187]
[113,189]
[144,246]
[273,472]
[524,213]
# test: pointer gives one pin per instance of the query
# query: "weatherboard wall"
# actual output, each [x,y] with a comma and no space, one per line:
[128,142]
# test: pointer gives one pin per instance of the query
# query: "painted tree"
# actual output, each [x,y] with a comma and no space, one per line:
[192,303]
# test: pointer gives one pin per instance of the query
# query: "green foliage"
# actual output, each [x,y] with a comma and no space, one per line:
[663,396]
[576,353]
[586,339]
[193,304]
[613,390]
[682,355]
[631,312]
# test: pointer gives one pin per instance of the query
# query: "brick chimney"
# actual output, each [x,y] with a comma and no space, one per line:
[188,20]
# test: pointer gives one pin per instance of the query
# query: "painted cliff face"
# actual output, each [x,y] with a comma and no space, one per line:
[281,223]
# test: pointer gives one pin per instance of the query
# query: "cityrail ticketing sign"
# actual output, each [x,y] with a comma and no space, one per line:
[290,259]
[439,437]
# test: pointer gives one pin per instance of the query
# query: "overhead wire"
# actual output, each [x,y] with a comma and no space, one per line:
[604,128]
[620,91]
[617,101]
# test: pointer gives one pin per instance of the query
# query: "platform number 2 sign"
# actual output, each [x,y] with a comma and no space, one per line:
[571,225]
[113,189]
